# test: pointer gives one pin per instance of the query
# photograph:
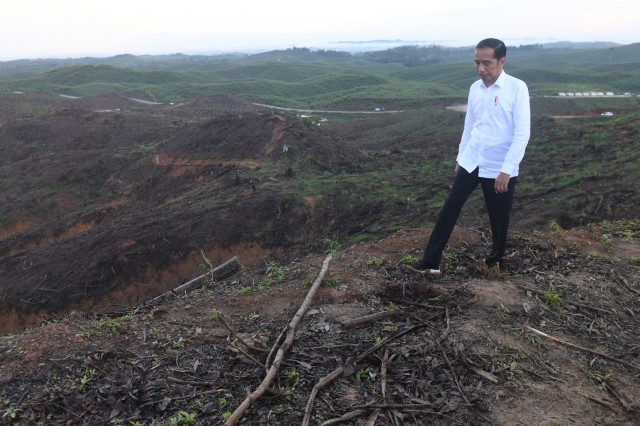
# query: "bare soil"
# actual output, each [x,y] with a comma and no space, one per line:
[113,203]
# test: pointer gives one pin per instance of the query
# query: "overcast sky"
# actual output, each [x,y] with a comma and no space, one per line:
[77,28]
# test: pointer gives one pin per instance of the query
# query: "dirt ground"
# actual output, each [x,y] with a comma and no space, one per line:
[463,348]
[130,196]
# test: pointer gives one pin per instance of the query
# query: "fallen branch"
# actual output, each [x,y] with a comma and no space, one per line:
[370,318]
[386,340]
[592,308]
[386,360]
[288,342]
[245,353]
[581,348]
[421,305]
[398,406]
[339,371]
[274,348]
[482,373]
[453,373]
[321,384]
[602,402]
[234,334]
[627,406]
[345,417]
[228,268]
[619,278]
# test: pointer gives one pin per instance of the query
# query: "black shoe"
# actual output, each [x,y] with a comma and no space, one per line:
[423,269]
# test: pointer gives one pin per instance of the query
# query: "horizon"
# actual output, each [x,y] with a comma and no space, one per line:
[352,47]
[40,29]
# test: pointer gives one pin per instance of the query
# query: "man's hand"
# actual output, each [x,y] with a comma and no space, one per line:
[457,169]
[502,182]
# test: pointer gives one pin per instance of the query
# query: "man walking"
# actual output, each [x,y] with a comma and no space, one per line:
[496,133]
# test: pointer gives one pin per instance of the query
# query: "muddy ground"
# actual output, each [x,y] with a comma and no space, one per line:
[110,203]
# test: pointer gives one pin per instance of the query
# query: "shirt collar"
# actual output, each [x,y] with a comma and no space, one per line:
[499,82]
[501,78]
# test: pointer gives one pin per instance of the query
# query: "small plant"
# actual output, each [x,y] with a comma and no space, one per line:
[276,272]
[275,275]
[245,291]
[366,376]
[274,412]
[594,256]
[179,344]
[215,314]
[11,412]
[332,246]
[106,322]
[606,238]
[252,317]
[332,281]
[525,238]
[602,379]
[408,259]
[222,402]
[628,236]
[500,312]
[226,415]
[307,283]
[552,298]
[88,376]
[374,261]
[183,419]
[534,340]
[293,380]
[508,366]
[555,227]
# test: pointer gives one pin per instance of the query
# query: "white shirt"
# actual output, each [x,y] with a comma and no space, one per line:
[496,128]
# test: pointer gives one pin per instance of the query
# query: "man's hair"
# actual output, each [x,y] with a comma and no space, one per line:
[499,48]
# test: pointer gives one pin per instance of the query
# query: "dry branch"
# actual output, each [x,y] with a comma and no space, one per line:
[345,417]
[228,268]
[234,334]
[370,318]
[339,371]
[581,348]
[288,342]
[321,384]
[482,373]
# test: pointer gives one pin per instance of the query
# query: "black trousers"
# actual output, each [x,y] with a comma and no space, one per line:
[498,206]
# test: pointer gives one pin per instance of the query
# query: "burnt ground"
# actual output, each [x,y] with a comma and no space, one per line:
[457,351]
[110,203]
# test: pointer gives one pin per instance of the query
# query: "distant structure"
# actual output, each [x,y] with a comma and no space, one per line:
[564,94]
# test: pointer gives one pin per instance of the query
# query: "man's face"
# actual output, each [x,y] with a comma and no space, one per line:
[487,65]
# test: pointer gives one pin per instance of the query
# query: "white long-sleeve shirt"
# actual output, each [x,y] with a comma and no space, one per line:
[496,128]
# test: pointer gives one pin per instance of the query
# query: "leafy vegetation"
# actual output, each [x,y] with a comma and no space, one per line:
[301,78]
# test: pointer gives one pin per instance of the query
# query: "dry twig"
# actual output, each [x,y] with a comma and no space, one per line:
[581,348]
[370,318]
[275,367]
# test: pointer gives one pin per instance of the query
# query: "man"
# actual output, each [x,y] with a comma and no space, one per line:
[496,133]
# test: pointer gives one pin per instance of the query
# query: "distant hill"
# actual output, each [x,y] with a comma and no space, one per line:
[306,78]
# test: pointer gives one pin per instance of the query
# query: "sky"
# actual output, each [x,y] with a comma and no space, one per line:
[101,28]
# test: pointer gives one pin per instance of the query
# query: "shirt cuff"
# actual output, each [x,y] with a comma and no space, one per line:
[509,169]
